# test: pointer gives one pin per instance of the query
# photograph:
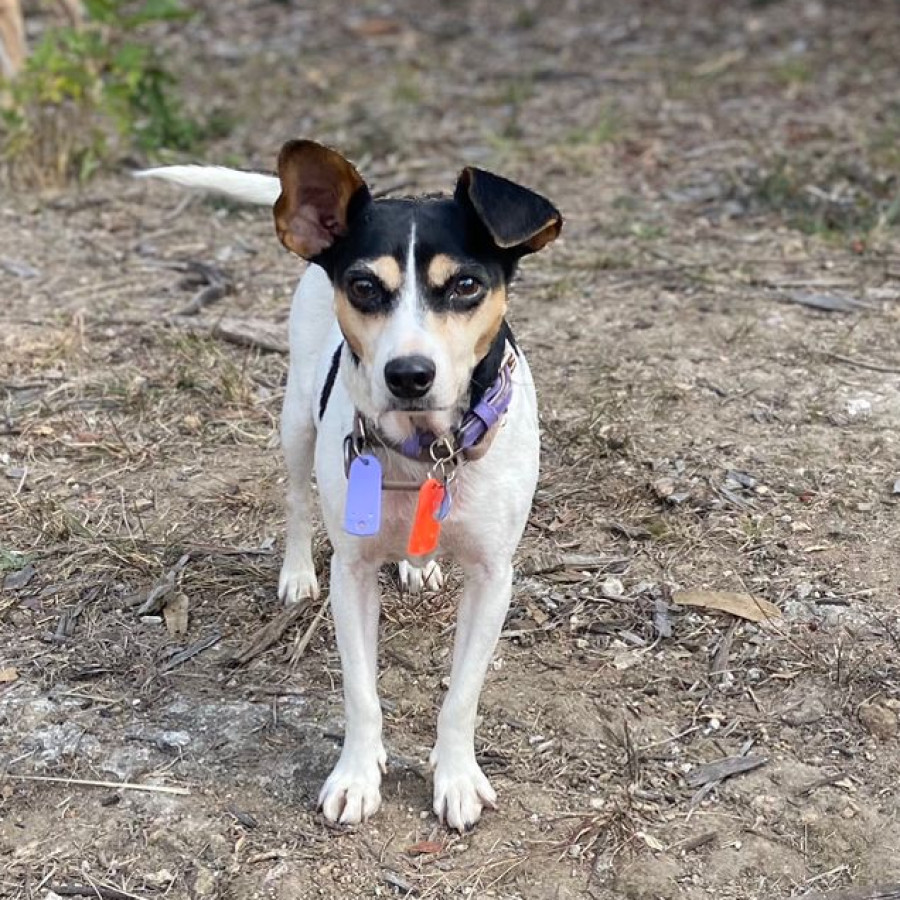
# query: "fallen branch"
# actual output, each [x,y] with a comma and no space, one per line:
[861,363]
[544,563]
[115,785]
[216,284]
[868,892]
[301,645]
[269,634]
[184,655]
[257,333]
[723,768]
[93,890]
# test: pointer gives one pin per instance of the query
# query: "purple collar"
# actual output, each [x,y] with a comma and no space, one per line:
[477,422]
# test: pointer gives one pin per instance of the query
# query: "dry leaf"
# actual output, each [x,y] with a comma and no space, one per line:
[9,674]
[422,847]
[744,606]
[376,27]
[175,613]
[536,613]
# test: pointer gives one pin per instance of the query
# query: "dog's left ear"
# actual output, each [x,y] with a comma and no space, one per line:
[516,218]
[317,188]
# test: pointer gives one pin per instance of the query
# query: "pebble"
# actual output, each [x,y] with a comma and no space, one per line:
[811,710]
[859,407]
[878,720]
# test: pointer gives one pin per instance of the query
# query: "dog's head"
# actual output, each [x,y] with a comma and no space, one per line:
[420,285]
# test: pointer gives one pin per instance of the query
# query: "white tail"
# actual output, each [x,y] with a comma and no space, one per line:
[246,187]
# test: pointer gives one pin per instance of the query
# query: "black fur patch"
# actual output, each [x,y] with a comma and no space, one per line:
[486,372]
[442,225]
[329,381]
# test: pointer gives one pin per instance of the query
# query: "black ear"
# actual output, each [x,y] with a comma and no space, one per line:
[317,186]
[516,218]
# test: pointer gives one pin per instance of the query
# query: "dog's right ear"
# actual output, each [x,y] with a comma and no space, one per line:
[317,188]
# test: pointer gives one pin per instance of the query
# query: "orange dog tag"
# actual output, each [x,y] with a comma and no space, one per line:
[426,529]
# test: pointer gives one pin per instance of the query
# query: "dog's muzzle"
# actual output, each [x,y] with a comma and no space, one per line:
[409,377]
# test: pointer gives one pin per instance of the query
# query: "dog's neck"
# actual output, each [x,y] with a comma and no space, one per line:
[487,370]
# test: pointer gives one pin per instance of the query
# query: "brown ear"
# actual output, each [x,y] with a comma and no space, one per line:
[516,218]
[317,185]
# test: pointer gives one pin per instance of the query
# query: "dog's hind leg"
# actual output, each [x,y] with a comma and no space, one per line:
[298,441]
[311,321]
[461,789]
[415,580]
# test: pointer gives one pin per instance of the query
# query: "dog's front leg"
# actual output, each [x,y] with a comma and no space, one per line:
[461,789]
[351,793]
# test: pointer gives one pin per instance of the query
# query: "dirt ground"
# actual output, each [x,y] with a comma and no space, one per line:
[725,170]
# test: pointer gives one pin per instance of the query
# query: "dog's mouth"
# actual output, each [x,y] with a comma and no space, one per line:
[415,406]
[401,421]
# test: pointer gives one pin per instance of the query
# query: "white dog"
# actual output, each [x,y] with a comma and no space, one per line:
[407,390]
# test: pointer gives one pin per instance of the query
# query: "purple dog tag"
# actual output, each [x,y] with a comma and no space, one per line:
[362,512]
[444,509]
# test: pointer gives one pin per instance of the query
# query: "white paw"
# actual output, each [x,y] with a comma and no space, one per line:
[351,793]
[297,583]
[461,790]
[414,580]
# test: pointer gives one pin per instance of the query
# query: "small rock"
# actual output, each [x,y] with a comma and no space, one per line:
[859,407]
[613,588]
[811,710]
[161,879]
[878,720]
[17,580]
[205,883]
[664,488]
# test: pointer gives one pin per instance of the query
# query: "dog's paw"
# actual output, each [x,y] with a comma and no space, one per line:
[415,580]
[461,791]
[351,793]
[296,584]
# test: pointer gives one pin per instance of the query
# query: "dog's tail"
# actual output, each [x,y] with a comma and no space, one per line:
[245,187]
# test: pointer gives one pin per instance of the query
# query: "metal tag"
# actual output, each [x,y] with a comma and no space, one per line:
[362,511]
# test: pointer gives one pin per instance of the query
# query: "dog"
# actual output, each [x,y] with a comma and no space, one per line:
[409,395]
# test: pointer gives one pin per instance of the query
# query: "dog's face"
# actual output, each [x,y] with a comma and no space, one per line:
[420,285]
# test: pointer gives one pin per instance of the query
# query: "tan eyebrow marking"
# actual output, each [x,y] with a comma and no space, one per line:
[441,269]
[388,271]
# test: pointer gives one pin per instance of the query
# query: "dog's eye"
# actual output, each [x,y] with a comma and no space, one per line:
[364,291]
[466,288]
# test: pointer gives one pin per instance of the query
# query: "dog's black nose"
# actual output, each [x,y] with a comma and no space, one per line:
[409,377]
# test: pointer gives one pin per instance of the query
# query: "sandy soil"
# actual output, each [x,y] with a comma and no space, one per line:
[721,167]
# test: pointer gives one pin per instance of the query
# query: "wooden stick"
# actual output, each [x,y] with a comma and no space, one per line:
[116,785]
[303,643]
[189,652]
[871,892]
[861,363]
[269,634]
[93,890]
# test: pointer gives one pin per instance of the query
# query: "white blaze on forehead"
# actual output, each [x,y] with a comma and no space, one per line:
[404,334]
[409,298]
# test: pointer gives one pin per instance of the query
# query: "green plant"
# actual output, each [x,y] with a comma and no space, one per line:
[88,93]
